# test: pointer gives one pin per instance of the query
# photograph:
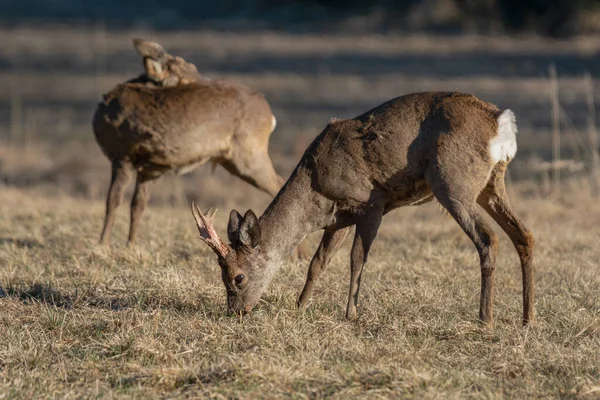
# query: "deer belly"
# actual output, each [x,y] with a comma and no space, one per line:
[184,169]
[414,194]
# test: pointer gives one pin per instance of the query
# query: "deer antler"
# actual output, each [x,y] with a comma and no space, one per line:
[207,231]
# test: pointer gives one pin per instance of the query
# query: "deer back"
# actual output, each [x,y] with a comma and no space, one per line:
[387,150]
[174,126]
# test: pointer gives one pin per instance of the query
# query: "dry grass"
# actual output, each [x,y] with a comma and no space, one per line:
[79,320]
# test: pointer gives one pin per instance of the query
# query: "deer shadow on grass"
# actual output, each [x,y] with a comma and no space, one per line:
[21,242]
[88,297]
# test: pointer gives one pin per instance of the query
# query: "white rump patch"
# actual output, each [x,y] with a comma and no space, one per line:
[503,146]
[273,123]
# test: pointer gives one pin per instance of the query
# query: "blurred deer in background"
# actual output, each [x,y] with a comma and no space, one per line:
[449,146]
[172,119]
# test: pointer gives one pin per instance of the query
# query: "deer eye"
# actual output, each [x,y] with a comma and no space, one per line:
[239,279]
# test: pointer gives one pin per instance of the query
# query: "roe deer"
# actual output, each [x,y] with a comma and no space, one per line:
[172,119]
[449,146]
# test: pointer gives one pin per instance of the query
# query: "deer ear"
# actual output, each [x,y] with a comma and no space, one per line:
[185,71]
[150,49]
[250,230]
[155,70]
[155,59]
[233,227]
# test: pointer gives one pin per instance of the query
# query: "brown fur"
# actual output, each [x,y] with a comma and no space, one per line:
[172,119]
[404,152]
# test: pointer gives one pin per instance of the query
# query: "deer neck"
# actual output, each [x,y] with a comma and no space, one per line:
[296,211]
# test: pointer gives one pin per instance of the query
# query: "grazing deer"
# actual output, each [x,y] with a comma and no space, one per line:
[449,146]
[172,119]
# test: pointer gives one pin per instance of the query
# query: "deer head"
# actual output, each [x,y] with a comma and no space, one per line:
[241,261]
[162,68]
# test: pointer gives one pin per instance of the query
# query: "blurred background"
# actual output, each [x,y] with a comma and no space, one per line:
[313,60]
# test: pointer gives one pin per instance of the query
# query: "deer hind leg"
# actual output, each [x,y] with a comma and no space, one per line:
[120,177]
[494,201]
[457,192]
[330,242]
[366,230]
[139,201]
[466,215]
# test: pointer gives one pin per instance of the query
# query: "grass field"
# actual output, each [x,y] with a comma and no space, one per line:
[78,320]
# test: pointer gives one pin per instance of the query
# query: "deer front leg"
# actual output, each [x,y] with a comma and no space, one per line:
[366,230]
[330,242]
[140,199]
[120,176]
